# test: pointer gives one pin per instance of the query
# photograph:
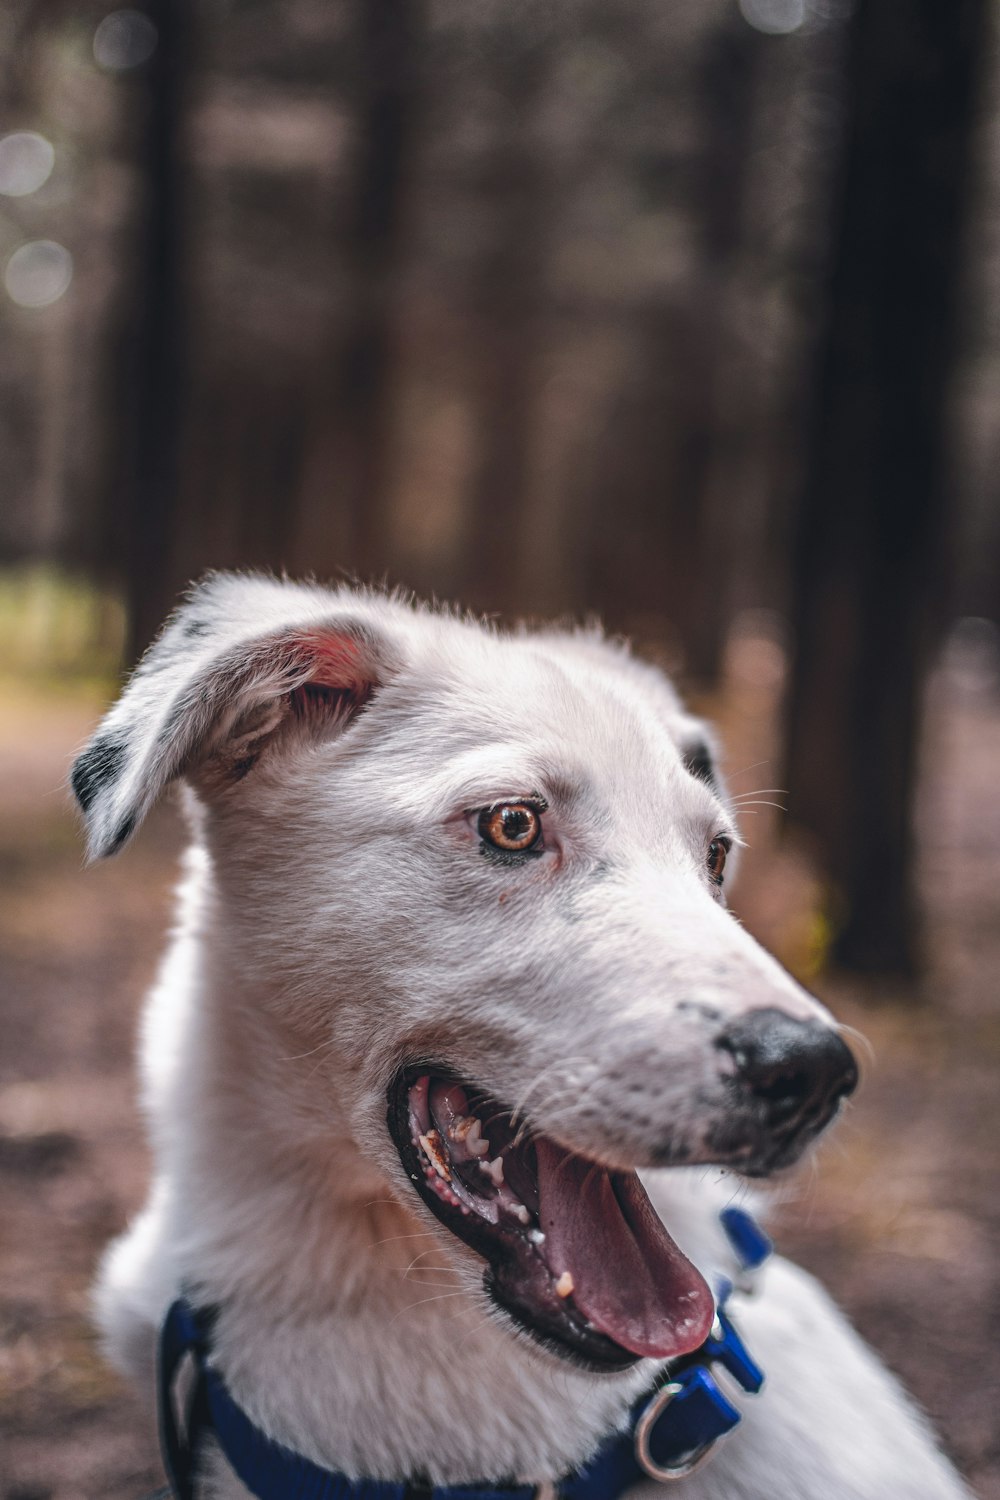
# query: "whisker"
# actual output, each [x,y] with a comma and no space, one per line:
[489,1318]
[732,775]
[860,1038]
[411,1306]
[430,1251]
[325,1045]
[426,1281]
[322,1059]
[415,1234]
[567,1063]
[553,1097]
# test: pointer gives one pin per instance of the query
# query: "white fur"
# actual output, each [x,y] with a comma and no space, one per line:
[335,920]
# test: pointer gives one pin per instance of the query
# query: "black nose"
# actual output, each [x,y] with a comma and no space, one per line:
[799,1070]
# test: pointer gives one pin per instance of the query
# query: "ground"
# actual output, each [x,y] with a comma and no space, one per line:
[899,1213]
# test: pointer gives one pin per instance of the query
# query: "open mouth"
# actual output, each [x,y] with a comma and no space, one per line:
[575,1251]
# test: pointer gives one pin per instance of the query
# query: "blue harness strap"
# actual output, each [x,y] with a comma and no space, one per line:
[749,1242]
[671,1430]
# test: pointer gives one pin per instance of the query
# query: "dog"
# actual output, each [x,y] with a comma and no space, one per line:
[453,966]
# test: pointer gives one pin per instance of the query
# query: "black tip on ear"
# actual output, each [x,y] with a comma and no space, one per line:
[122,834]
[96,768]
[698,760]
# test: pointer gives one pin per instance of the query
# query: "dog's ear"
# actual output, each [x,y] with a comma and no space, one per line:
[700,750]
[243,662]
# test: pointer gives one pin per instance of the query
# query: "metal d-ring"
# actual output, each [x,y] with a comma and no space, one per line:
[654,1410]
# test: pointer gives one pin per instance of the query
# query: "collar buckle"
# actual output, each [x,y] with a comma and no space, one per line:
[697,1390]
[682,1422]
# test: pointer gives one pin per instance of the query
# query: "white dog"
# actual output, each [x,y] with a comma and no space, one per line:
[453,964]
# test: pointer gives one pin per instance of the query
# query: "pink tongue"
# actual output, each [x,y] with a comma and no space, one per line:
[629,1278]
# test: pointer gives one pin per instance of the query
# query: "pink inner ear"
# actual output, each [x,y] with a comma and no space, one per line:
[335,662]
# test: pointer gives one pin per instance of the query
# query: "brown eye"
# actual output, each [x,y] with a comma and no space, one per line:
[717,851]
[513,826]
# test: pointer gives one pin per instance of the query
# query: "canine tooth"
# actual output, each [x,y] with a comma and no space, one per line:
[564,1285]
[474,1142]
[493,1170]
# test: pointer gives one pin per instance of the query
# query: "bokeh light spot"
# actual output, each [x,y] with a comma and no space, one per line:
[776,17]
[124,39]
[26,160]
[38,273]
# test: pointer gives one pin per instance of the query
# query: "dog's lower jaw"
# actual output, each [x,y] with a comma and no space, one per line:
[402,1374]
[346,1326]
[328,1341]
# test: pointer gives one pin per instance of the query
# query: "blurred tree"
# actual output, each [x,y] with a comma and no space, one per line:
[712,482]
[665,519]
[153,356]
[25,25]
[507,310]
[390,46]
[869,564]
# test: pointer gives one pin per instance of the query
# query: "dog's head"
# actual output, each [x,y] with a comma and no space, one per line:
[487,873]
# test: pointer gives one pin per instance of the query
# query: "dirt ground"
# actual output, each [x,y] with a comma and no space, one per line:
[900,1213]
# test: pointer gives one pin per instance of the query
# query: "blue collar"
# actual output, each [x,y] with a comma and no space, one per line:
[672,1429]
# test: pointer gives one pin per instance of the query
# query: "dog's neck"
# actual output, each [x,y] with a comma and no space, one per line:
[346,1326]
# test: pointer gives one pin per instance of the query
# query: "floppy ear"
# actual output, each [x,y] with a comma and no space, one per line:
[700,750]
[243,662]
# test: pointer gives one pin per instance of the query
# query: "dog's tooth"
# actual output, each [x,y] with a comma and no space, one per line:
[431,1145]
[565,1284]
[520,1212]
[474,1143]
[493,1170]
[536,1237]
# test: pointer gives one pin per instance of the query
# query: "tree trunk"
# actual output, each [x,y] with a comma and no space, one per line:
[154,357]
[869,563]
[390,44]
[508,335]
[664,526]
[713,475]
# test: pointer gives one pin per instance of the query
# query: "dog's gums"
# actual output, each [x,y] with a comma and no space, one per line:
[576,1253]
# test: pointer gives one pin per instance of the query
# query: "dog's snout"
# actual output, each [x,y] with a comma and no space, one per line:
[792,1067]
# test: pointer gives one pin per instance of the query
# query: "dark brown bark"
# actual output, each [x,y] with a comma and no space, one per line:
[709,527]
[154,355]
[508,334]
[870,556]
[389,44]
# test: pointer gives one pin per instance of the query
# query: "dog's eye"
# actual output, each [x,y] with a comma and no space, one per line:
[717,851]
[512,826]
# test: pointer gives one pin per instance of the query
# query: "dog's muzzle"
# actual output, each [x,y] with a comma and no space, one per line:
[784,1079]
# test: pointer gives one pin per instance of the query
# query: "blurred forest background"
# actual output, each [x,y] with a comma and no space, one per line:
[685,314]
